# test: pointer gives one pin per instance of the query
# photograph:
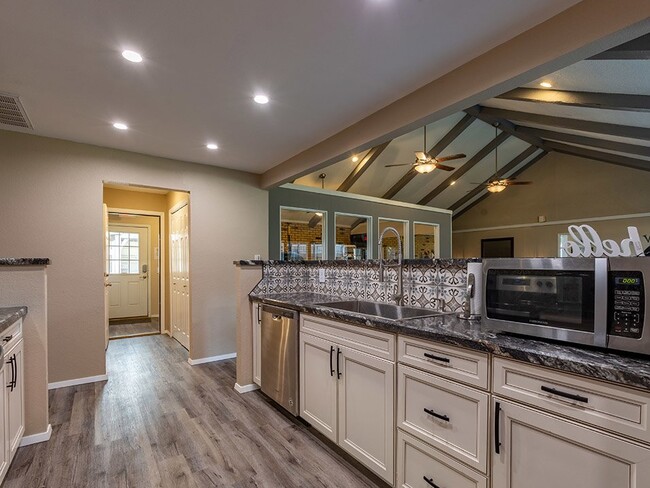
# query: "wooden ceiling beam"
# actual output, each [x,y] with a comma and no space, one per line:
[477,158]
[487,193]
[516,161]
[505,125]
[440,146]
[605,157]
[362,166]
[642,133]
[609,101]
[587,141]
[636,49]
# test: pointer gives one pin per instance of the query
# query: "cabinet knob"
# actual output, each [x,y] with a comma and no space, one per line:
[8,338]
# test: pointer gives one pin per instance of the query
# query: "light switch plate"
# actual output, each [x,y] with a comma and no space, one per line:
[321,276]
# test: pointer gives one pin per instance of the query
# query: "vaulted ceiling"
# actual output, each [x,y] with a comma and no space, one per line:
[598,109]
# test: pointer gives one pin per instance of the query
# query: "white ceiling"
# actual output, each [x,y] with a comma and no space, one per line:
[324,64]
[624,76]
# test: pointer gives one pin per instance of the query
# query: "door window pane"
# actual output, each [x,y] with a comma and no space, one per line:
[425,239]
[302,234]
[351,237]
[389,248]
[123,252]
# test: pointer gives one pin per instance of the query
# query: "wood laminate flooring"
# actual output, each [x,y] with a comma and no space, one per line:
[160,422]
[125,328]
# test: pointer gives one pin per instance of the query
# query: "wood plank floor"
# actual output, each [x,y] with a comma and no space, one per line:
[119,329]
[160,422]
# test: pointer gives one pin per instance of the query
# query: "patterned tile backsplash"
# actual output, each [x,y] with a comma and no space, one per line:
[438,284]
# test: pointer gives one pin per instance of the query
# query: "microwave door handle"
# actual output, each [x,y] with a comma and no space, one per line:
[601,277]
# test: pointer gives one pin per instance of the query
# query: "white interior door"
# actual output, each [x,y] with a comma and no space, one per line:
[180,276]
[107,283]
[128,263]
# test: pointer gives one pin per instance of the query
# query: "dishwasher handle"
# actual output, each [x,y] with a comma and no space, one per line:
[280,312]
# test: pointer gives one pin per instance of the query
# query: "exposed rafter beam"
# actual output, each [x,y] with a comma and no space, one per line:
[505,125]
[609,101]
[525,154]
[587,141]
[637,49]
[477,158]
[605,157]
[440,146]
[487,193]
[362,166]
[567,123]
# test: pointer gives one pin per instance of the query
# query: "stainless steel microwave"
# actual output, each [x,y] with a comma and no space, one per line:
[594,301]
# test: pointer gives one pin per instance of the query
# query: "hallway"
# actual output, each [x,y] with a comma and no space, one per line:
[160,422]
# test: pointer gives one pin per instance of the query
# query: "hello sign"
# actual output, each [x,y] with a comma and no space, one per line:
[584,241]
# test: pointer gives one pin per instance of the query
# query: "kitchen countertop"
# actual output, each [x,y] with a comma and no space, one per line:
[24,261]
[9,315]
[449,329]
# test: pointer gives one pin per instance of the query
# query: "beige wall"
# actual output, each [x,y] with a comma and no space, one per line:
[565,188]
[27,286]
[51,195]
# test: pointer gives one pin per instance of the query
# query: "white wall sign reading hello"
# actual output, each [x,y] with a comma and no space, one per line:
[584,241]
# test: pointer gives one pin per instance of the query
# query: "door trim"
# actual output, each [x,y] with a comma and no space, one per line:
[161,254]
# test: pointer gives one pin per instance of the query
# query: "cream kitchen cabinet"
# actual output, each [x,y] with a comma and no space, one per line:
[257,343]
[538,450]
[12,396]
[346,393]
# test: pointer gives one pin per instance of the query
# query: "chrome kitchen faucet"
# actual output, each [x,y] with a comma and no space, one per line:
[399,297]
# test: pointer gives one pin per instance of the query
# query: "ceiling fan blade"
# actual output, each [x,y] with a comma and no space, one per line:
[510,183]
[451,157]
[394,165]
[444,168]
[421,156]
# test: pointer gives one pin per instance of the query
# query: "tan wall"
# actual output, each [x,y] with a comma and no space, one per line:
[155,267]
[51,195]
[27,286]
[565,188]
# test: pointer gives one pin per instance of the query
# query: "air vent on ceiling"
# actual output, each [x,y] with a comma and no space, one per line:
[12,112]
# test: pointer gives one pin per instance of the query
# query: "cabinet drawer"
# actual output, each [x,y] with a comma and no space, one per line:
[462,365]
[451,417]
[14,333]
[417,461]
[616,408]
[380,344]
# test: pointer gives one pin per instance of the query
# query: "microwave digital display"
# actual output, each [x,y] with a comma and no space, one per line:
[627,280]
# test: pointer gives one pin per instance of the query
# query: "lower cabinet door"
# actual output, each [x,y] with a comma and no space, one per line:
[257,343]
[421,466]
[15,398]
[318,384]
[541,451]
[5,379]
[366,411]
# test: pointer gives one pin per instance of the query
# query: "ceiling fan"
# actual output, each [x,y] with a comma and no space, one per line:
[496,184]
[425,163]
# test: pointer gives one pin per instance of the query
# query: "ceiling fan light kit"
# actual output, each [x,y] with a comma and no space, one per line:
[496,187]
[424,168]
[425,163]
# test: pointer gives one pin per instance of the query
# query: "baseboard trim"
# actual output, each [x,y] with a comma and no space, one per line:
[246,388]
[211,359]
[77,381]
[28,440]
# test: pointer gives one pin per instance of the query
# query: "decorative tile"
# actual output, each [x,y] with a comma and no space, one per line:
[451,274]
[452,298]
[421,274]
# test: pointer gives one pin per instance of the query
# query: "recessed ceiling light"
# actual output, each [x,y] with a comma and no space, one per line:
[355,159]
[212,146]
[132,56]
[452,183]
[261,99]
[120,126]
[546,84]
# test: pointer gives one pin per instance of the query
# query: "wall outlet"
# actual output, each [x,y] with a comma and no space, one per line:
[321,276]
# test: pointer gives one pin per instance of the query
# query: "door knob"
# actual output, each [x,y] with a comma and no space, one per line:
[108,284]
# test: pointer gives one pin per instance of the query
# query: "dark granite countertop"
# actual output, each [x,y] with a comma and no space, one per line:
[343,262]
[449,329]
[248,262]
[24,261]
[9,315]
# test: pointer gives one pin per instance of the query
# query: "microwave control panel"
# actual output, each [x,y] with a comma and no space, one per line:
[626,303]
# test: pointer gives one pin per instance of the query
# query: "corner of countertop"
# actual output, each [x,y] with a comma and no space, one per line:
[248,262]
[24,261]
[9,315]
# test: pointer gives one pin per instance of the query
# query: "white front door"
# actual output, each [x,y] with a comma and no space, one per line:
[180,276]
[128,264]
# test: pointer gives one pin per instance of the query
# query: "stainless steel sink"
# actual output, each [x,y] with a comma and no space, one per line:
[383,310]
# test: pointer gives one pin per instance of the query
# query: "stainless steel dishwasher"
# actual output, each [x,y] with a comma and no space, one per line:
[280,356]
